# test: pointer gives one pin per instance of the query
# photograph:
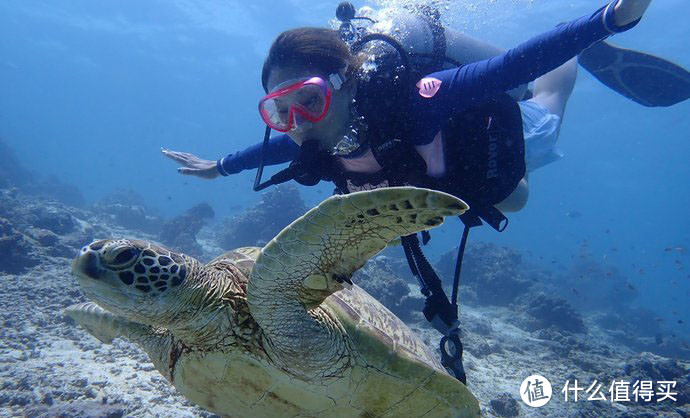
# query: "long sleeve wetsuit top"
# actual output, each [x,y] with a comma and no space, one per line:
[467,85]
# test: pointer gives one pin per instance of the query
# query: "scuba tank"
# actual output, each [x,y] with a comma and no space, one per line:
[419,30]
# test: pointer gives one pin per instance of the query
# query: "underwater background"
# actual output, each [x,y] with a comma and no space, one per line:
[91,91]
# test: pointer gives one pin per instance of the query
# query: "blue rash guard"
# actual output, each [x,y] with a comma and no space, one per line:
[466,86]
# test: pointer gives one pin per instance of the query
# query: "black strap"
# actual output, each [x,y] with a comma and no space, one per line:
[309,167]
[458,266]
[437,309]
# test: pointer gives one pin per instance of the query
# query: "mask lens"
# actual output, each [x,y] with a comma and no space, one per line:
[276,112]
[310,99]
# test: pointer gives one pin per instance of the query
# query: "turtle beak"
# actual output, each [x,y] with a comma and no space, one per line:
[86,264]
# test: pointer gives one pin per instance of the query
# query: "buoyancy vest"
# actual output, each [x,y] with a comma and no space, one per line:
[484,152]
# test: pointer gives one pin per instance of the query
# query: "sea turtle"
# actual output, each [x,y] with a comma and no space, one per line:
[279,331]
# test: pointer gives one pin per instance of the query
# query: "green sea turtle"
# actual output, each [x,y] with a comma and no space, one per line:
[279,331]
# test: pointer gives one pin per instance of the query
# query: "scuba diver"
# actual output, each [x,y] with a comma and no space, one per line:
[365,116]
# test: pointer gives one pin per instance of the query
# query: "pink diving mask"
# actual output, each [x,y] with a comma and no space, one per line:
[294,101]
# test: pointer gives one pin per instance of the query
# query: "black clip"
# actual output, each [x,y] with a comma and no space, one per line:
[451,356]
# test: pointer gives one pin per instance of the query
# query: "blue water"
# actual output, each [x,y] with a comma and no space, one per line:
[90,92]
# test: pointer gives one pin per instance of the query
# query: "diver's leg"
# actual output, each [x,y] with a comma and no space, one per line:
[553,89]
[541,120]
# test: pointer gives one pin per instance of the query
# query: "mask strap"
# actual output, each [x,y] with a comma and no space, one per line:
[338,79]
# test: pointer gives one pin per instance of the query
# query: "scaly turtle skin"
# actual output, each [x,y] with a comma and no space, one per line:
[279,331]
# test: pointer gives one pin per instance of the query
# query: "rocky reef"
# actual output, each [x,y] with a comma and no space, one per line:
[126,208]
[256,226]
[180,233]
[491,275]
[544,311]
[378,278]
[32,228]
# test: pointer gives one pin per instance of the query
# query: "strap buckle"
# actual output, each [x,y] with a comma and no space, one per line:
[451,354]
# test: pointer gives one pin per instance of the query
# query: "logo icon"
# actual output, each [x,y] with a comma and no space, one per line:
[428,87]
[535,391]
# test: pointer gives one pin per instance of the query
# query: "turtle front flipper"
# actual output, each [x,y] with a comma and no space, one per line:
[107,326]
[318,253]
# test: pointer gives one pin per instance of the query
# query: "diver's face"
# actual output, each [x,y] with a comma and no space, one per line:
[329,130]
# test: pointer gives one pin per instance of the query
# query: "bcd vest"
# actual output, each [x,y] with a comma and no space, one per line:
[484,151]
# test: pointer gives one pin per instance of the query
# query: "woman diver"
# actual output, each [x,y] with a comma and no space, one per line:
[319,92]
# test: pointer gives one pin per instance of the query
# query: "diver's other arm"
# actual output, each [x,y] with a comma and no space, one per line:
[474,82]
[626,12]
[466,49]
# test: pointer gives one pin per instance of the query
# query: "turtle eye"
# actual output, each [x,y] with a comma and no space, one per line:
[125,257]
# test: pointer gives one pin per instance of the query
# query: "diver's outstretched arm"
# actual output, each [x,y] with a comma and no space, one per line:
[473,83]
[466,49]
[280,149]
[626,12]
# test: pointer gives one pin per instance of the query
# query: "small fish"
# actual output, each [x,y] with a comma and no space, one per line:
[681,250]
[659,319]
[680,321]
[575,291]
[631,287]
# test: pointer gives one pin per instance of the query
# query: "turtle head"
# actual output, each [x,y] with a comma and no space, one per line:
[135,279]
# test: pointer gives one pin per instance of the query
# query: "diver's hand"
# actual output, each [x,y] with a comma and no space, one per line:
[628,11]
[193,165]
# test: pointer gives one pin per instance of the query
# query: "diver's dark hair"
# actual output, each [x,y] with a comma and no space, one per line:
[317,48]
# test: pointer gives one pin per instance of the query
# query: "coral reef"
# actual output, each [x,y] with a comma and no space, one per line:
[82,409]
[180,232]
[16,249]
[379,280]
[258,225]
[648,366]
[35,227]
[53,218]
[126,208]
[551,311]
[505,406]
[491,275]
